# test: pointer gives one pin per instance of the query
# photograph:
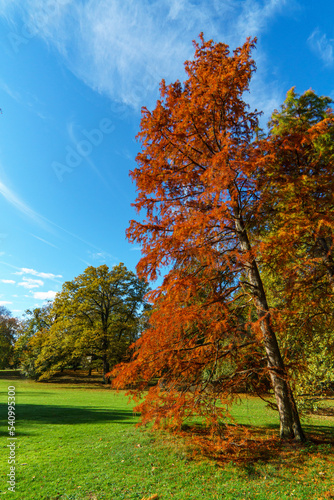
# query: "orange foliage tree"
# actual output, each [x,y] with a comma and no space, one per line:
[198,182]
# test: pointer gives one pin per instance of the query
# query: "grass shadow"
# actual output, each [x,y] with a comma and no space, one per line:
[247,445]
[67,377]
[11,375]
[75,377]
[67,415]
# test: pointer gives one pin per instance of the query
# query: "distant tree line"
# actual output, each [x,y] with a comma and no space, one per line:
[91,324]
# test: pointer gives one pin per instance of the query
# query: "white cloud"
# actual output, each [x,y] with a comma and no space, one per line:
[4,302]
[124,48]
[50,295]
[101,256]
[33,272]
[31,283]
[98,256]
[8,281]
[322,46]
[254,16]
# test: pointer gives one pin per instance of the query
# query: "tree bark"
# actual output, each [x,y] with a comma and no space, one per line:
[290,426]
[106,369]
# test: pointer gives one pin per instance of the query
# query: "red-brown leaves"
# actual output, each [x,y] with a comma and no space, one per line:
[223,207]
[193,143]
[193,174]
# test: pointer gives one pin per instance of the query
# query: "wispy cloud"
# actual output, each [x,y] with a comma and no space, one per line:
[44,241]
[33,272]
[31,283]
[5,302]
[35,217]
[21,206]
[253,17]
[322,46]
[50,295]
[9,91]
[24,98]
[8,281]
[124,48]
[101,256]
[86,262]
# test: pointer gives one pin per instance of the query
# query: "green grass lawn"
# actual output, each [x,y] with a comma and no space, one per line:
[80,442]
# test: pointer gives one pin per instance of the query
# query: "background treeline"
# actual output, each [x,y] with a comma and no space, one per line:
[90,325]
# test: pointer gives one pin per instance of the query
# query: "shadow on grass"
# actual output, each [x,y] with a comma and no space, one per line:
[11,375]
[68,377]
[72,377]
[67,415]
[327,411]
[246,445]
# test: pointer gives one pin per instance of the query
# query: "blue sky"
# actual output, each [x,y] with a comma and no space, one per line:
[73,77]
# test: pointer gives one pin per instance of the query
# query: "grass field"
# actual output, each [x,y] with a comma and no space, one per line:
[79,441]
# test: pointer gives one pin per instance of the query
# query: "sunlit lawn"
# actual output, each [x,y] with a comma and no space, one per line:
[80,442]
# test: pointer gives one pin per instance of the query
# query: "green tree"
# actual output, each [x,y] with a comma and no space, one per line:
[34,330]
[298,184]
[8,330]
[98,314]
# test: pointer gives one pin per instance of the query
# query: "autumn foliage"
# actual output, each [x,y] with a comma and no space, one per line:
[219,200]
[91,324]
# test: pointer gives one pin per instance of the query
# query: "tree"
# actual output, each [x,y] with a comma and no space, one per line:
[297,185]
[98,314]
[8,331]
[33,334]
[198,184]
[297,181]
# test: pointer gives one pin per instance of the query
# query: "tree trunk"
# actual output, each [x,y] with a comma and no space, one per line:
[106,369]
[290,426]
